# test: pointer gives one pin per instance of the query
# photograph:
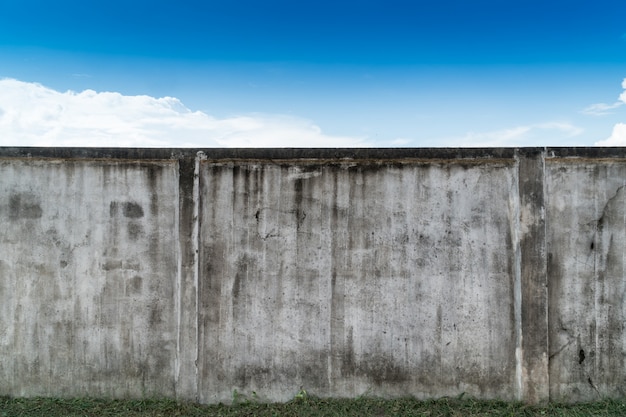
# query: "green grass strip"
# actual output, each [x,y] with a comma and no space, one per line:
[301,406]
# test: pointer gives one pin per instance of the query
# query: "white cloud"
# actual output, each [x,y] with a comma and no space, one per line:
[34,115]
[622,96]
[618,136]
[602,109]
[539,134]
[398,142]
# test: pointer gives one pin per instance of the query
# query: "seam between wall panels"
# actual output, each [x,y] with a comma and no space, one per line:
[195,238]
[179,278]
[517,285]
[544,215]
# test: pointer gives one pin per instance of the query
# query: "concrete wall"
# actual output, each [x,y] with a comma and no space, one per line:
[586,266]
[88,275]
[498,273]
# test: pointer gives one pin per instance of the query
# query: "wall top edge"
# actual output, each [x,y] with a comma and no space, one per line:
[309,153]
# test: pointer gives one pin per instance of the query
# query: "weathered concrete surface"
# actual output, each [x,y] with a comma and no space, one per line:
[186,383]
[357,278]
[88,271]
[426,272]
[533,352]
[586,248]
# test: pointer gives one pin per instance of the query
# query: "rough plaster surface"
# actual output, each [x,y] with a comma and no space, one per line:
[586,243]
[350,279]
[87,278]
[498,273]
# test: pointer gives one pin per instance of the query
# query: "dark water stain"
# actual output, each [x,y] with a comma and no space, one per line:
[154,175]
[210,286]
[236,287]
[134,285]
[113,206]
[299,212]
[239,277]
[247,374]
[239,285]
[132,210]
[129,209]
[110,265]
[135,230]
[307,370]
[156,313]
[381,369]
[24,206]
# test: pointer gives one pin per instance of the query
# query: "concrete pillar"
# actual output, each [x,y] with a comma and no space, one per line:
[187,340]
[533,344]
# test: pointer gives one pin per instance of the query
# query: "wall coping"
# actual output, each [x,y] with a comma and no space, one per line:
[311,153]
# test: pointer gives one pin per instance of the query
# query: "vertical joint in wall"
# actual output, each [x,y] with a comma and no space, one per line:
[533,341]
[179,277]
[517,286]
[185,383]
[195,239]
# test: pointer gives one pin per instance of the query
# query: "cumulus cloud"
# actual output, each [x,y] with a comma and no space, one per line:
[529,135]
[618,136]
[34,115]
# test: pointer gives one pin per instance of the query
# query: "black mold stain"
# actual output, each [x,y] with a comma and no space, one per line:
[581,357]
[262,372]
[210,287]
[111,265]
[236,286]
[261,220]
[155,314]
[298,202]
[134,230]
[129,209]
[381,369]
[24,206]
[154,172]
[606,212]
[132,210]
[300,216]
[388,372]
[134,284]
[239,283]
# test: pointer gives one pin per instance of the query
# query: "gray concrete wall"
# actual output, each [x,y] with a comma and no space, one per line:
[586,250]
[88,277]
[190,274]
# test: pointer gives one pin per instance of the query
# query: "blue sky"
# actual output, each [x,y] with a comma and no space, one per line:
[287,73]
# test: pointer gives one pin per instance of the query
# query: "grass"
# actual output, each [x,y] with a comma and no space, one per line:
[301,406]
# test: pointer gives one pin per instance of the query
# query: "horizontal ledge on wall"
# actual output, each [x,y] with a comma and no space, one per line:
[290,154]
[267,153]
